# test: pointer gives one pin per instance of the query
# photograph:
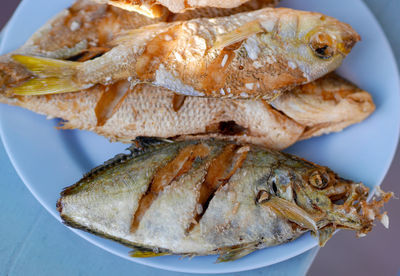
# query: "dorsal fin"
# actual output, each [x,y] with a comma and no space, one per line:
[141,145]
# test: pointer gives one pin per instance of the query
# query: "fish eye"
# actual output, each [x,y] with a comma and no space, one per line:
[323,45]
[318,180]
[262,196]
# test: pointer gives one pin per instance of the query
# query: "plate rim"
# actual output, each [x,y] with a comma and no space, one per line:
[84,235]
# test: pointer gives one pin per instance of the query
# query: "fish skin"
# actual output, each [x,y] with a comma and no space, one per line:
[265,126]
[98,25]
[104,201]
[148,111]
[151,7]
[251,5]
[326,105]
[281,44]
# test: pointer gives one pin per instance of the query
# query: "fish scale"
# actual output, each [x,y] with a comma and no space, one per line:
[147,110]
[235,222]
[148,55]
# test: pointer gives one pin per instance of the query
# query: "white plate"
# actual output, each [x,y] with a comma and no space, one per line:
[48,160]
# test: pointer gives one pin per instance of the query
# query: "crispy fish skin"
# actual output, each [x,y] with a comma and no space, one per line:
[265,199]
[251,5]
[326,105]
[87,25]
[152,8]
[247,55]
[148,111]
[83,25]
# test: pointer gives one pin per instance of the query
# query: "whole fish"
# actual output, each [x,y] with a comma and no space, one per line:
[155,8]
[212,197]
[150,111]
[248,55]
[122,115]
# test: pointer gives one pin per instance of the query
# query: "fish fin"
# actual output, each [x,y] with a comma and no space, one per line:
[52,76]
[177,101]
[135,34]
[111,100]
[143,252]
[326,233]
[52,85]
[233,254]
[142,143]
[145,144]
[293,213]
[237,35]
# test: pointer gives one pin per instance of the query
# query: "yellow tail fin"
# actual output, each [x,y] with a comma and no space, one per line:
[51,76]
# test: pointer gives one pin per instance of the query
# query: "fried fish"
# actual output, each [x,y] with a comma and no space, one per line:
[157,8]
[211,197]
[256,54]
[122,114]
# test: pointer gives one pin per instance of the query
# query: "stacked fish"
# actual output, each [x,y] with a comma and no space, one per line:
[223,84]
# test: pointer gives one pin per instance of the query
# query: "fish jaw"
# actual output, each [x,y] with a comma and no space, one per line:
[337,203]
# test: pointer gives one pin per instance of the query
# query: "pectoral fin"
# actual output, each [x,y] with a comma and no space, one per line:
[325,234]
[292,212]
[237,35]
[142,252]
[233,254]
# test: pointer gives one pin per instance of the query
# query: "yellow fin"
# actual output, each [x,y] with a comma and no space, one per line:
[237,35]
[141,252]
[293,213]
[52,76]
[47,67]
[52,85]
[136,34]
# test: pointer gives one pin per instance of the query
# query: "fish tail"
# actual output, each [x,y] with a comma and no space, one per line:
[51,76]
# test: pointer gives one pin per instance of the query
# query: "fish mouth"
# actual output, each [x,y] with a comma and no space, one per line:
[347,43]
[348,39]
[351,209]
[329,203]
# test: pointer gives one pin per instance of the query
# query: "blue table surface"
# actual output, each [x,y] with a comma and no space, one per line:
[34,243]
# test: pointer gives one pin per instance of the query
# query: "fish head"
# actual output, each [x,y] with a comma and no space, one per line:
[312,42]
[317,199]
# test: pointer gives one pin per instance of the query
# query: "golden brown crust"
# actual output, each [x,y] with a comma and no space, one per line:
[152,7]
[326,105]
[148,111]
[246,121]
[251,5]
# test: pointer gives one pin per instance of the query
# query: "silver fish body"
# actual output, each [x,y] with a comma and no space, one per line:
[211,197]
